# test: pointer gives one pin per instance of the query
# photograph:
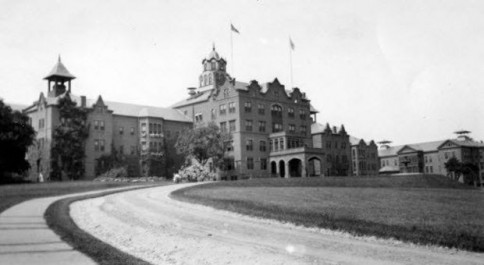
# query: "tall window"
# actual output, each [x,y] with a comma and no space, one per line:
[250,163]
[302,114]
[303,129]
[290,112]
[276,111]
[96,145]
[232,126]
[96,125]
[262,126]
[223,126]
[232,107]
[121,130]
[131,131]
[261,109]
[276,127]
[249,145]
[198,117]
[248,125]
[281,142]
[292,128]
[262,146]
[101,125]
[263,163]
[229,146]
[248,106]
[223,109]
[101,145]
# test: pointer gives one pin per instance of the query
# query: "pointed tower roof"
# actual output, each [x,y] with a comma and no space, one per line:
[328,129]
[213,54]
[60,70]
[342,129]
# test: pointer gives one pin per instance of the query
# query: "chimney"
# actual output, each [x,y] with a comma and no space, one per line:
[83,101]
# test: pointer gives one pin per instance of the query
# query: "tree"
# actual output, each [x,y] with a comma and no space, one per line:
[69,141]
[453,167]
[16,135]
[203,143]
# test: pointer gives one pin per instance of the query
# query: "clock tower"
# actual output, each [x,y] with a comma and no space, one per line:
[214,71]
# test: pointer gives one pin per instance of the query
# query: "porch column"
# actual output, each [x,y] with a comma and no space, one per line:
[287,172]
[303,168]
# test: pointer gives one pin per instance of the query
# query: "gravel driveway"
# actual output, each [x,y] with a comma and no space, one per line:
[148,224]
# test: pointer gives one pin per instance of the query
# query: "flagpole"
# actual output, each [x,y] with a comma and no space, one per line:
[290,62]
[232,49]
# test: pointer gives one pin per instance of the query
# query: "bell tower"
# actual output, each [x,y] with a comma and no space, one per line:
[57,79]
[214,71]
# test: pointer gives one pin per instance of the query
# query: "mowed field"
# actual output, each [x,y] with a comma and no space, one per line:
[428,209]
[17,193]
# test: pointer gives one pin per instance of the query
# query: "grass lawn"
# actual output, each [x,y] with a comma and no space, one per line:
[17,193]
[426,209]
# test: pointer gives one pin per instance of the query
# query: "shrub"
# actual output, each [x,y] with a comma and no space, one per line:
[119,172]
[194,173]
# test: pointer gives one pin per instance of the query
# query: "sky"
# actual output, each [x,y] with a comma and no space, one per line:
[408,71]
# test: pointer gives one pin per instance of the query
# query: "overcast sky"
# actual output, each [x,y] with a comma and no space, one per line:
[406,71]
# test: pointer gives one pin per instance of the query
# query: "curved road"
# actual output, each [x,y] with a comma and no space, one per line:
[148,224]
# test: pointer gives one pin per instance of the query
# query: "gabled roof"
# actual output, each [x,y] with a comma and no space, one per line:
[408,147]
[59,70]
[462,143]
[425,147]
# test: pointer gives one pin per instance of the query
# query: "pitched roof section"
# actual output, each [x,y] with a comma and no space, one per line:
[60,70]
[425,147]
[202,96]
[127,109]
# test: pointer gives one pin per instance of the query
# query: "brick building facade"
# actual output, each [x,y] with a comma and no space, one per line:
[137,132]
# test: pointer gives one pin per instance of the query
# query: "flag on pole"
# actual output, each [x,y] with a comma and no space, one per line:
[291,44]
[234,29]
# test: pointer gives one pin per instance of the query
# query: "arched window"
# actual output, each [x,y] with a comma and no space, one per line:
[204,80]
[276,111]
[210,79]
[213,66]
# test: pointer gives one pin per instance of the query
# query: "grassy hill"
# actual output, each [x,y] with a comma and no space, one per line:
[424,209]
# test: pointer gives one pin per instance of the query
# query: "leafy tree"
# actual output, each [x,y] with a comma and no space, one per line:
[203,143]
[471,173]
[16,135]
[453,167]
[110,161]
[69,141]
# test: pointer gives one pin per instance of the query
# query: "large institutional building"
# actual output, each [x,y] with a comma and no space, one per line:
[430,157]
[274,130]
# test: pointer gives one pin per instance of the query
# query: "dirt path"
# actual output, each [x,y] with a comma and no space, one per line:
[148,224]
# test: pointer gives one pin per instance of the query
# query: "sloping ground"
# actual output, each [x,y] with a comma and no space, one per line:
[424,209]
[153,227]
[410,181]
[17,193]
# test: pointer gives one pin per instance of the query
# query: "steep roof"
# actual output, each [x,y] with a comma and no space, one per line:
[60,70]
[126,109]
